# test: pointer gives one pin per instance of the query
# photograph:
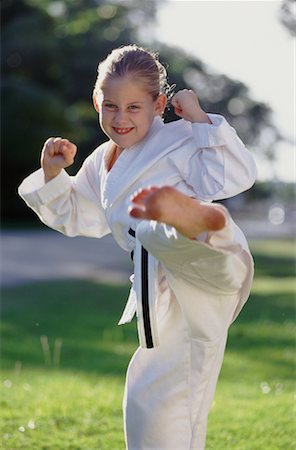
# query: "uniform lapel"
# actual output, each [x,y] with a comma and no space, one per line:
[134,162]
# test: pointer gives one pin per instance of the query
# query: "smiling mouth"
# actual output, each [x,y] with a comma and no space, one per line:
[122,130]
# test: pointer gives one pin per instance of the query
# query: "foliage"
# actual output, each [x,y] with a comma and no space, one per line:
[49,56]
[50,53]
[287,15]
[76,403]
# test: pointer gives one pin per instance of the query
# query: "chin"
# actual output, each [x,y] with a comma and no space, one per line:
[124,142]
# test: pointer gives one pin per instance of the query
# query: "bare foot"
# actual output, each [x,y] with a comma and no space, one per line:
[170,206]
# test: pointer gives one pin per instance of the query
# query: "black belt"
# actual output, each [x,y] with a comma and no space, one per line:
[133,234]
[144,292]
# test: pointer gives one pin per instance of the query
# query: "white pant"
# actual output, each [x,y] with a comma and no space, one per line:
[170,388]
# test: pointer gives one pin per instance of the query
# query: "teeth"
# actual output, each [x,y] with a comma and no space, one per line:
[122,130]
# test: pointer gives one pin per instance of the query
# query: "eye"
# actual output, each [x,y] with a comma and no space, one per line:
[134,107]
[110,106]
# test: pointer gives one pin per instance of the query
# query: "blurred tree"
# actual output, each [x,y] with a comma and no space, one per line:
[287,15]
[50,49]
[222,95]
[49,55]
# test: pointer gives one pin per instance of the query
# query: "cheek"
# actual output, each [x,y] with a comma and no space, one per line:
[103,116]
[102,121]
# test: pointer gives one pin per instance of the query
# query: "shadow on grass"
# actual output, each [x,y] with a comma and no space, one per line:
[264,332]
[276,266]
[275,308]
[84,316]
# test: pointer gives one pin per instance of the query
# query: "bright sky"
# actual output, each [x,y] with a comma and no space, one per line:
[246,41]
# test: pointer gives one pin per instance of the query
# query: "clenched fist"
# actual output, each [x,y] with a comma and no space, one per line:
[187,106]
[57,153]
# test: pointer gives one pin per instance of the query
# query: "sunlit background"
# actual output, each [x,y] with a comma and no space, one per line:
[246,41]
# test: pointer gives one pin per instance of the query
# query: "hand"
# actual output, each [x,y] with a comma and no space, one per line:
[57,153]
[187,106]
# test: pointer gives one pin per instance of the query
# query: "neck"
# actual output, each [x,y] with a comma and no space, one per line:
[112,156]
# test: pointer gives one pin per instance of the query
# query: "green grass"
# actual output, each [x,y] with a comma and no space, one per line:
[74,401]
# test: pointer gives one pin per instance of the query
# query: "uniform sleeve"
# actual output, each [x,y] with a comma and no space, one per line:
[70,205]
[221,166]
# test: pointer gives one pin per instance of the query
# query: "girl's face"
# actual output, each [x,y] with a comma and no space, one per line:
[127,110]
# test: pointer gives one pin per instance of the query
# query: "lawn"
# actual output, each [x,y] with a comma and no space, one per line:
[64,360]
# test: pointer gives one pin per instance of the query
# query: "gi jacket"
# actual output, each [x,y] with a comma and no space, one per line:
[207,162]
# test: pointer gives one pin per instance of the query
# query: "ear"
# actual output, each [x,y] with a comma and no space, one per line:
[95,103]
[160,104]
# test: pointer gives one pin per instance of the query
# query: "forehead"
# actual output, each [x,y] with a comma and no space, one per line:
[127,88]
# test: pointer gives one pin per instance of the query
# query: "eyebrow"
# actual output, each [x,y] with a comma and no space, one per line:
[131,103]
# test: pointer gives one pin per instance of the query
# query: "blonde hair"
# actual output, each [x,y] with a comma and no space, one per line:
[138,62]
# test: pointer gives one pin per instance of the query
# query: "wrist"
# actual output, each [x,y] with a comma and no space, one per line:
[200,117]
[48,176]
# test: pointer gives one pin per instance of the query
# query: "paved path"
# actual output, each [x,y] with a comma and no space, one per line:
[30,256]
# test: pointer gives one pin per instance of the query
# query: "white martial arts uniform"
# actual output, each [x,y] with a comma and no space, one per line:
[186,293]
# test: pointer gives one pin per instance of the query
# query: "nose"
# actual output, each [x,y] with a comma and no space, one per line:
[120,116]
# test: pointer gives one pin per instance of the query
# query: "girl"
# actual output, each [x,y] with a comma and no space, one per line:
[151,186]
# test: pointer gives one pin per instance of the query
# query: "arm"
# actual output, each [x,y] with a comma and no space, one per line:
[222,167]
[70,205]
